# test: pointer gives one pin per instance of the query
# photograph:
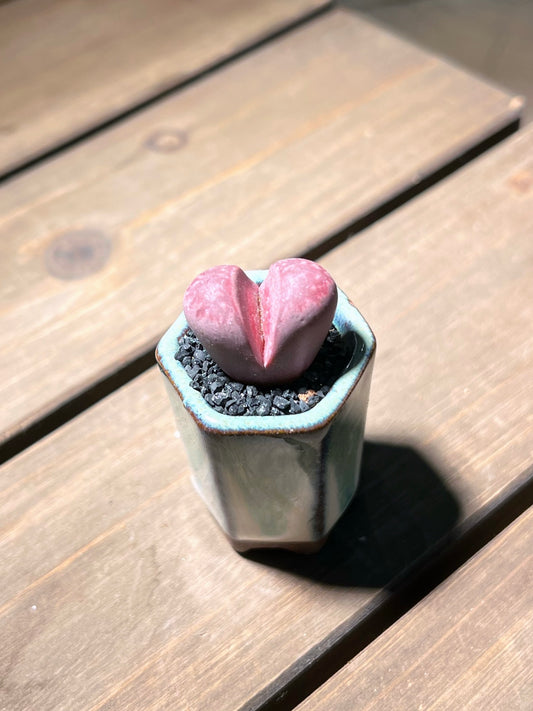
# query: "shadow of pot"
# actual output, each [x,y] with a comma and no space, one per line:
[277,481]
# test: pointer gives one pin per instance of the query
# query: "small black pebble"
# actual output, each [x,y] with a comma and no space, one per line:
[219,399]
[281,403]
[216,385]
[192,371]
[263,409]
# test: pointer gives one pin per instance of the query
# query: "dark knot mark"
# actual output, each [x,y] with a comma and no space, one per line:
[77,254]
[521,182]
[166,140]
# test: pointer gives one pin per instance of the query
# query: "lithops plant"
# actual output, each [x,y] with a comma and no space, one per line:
[268,333]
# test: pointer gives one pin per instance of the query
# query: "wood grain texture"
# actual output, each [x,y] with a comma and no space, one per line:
[118,590]
[492,39]
[71,65]
[466,646]
[259,161]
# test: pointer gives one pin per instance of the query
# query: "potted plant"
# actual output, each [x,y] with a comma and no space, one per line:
[274,455]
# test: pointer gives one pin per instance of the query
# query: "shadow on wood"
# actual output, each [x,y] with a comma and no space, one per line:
[402,513]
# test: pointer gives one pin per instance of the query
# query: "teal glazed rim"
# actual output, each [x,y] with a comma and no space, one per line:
[347,320]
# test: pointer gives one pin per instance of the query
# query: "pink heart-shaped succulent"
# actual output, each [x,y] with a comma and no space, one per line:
[262,334]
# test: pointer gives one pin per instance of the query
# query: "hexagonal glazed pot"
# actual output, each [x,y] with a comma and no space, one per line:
[277,481]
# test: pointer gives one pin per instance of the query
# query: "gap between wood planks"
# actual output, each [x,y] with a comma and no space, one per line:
[315,668]
[139,364]
[178,86]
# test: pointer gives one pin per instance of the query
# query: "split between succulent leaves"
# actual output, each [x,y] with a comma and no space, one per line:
[263,334]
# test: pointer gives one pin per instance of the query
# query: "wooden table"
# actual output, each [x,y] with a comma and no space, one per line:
[241,132]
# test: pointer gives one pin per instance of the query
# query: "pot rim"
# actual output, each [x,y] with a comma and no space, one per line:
[347,319]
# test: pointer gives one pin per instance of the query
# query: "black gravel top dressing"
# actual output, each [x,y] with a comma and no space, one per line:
[231,398]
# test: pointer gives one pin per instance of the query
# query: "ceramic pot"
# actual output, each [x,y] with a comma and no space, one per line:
[277,481]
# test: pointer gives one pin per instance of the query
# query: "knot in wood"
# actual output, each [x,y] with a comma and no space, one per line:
[166,140]
[77,254]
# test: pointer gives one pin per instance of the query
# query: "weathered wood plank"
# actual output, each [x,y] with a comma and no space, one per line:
[70,66]
[259,161]
[491,39]
[118,591]
[466,646]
